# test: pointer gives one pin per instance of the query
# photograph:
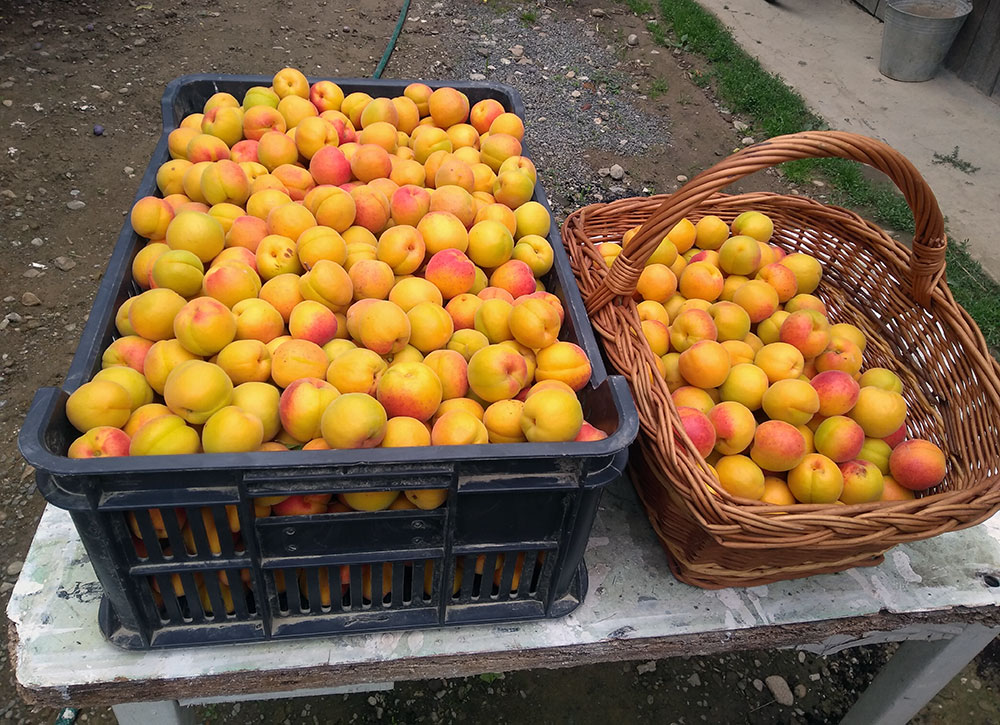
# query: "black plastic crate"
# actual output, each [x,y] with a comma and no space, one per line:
[507,544]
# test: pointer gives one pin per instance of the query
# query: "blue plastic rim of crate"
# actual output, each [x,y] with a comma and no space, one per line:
[508,543]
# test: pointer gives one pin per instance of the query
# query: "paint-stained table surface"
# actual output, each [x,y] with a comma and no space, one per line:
[634,610]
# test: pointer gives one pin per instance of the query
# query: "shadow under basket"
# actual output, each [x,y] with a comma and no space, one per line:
[899,298]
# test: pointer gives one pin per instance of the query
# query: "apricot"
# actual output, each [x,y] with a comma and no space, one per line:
[327,283]
[302,405]
[129,351]
[496,373]
[753,224]
[551,416]
[698,428]
[746,384]
[881,378]
[793,401]
[294,359]
[705,364]
[839,438]
[879,412]
[739,255]
[701,280]
[452,370]
[384,328]
[231,283]
[731,321]
[150,217]
[371,279]
[758,298]
[892,491]
[806,330]
[97,404]
[657,283]
[692,326]
[563,361]
[781,278]
[451,272]
[807,271]
[863,482]
[197,233]
[876,451]
[852,333]
[734,427]
[354,420]
[514,276]
[776,492]
[710,232]
[533,323]
[688,396]
[503,421]
[497,148]
[458,427]
[838,392]
[232,430]
[262,400]
[467,342]
[142,415]
[139,391]
[447,107]
[165,435]
[779,361]
[917,464]
[740,476]
[329,165]
[290,82]
[402,431]
[195,390]
[312,321]
[356,371]
[100,442]
[204,326]
[739,352]
[777,446]
[371,208]
[816,479]
[295,109]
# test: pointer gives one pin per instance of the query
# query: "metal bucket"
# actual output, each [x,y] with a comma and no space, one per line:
[917,36]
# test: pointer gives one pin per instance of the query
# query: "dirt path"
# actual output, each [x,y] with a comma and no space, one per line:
[80,86]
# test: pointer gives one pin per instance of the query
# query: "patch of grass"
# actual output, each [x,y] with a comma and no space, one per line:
[953,160]
[528,18]
[658,87]
[659,35]
[975,291]
[639,7]
[776,109]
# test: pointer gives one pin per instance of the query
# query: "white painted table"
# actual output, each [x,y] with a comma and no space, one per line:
[941,597]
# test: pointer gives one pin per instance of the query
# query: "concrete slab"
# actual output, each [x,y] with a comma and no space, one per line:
[829,52]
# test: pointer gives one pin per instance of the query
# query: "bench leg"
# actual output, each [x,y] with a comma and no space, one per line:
[164,712]
[915,674]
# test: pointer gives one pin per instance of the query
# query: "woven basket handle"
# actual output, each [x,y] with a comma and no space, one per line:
[928,242]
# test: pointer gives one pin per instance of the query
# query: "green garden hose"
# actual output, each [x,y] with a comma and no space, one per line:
[392,40]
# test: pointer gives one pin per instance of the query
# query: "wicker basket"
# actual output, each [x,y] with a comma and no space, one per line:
[897,297]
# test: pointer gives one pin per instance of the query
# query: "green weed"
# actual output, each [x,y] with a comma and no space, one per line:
[953,160]
[658,87]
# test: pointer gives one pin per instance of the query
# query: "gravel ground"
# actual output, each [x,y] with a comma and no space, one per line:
[575,94]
